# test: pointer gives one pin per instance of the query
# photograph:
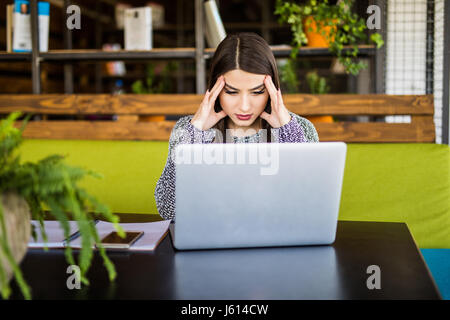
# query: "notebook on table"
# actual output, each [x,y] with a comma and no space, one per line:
[154,232]
[54,232]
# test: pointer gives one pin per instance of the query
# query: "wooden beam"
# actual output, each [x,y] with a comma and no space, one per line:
[129,107]
[161,130]
[98,130]
[183,104]
[375,132]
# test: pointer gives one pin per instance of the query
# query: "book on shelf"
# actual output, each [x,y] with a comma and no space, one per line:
[214,31]
[138,28]
[9,26]
[21,26]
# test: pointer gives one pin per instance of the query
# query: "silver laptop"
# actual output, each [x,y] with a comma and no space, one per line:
[257,194]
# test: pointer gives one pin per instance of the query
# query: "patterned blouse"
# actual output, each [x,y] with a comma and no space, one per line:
[298,129]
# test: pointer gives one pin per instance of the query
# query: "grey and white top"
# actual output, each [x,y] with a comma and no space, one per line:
[298,129]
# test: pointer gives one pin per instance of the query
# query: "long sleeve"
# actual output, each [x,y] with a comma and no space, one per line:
[298,129]
[182,133]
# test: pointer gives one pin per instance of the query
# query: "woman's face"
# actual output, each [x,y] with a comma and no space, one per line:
[243,97]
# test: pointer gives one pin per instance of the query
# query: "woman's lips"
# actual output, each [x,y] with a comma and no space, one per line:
[243,116]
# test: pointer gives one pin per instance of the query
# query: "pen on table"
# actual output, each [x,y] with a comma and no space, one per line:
[74,235]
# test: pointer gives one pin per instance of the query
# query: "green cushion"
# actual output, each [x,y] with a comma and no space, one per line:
[382,182]
[130,168]
[400,183]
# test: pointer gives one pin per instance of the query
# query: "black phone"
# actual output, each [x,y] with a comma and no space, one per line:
[218,107]
[114,241]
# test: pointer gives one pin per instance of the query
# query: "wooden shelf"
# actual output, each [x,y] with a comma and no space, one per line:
[279,51]
[15,56]
[93,54]
[142,74]
[227,26]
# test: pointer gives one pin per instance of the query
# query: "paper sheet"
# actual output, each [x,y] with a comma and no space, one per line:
[153,234]
[55,234]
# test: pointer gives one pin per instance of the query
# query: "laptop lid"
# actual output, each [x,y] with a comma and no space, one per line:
[257,194]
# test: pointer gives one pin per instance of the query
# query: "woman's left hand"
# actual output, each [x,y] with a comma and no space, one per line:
[280,115]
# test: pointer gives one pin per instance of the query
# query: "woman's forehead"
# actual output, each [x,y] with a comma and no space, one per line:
[242,80]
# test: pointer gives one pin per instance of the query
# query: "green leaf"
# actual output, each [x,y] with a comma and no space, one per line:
[52,182]
[378,39]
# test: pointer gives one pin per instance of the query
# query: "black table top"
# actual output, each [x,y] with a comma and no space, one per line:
[338,271]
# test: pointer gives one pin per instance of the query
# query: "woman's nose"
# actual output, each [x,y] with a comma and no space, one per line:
[245,104]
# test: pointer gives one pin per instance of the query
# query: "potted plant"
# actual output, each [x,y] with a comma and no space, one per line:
[164,84]
[288,77]
[344,28]
[25,188]
[317,33]
[318,85]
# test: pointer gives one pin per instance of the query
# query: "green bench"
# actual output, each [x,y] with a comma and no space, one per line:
[382,182]
[394,172]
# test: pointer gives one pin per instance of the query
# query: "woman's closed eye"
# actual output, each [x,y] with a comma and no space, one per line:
[235,92]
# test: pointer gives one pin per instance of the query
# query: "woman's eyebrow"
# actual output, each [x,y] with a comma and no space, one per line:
[257,87]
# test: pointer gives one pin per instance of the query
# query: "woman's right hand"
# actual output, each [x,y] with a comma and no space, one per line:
[206,117]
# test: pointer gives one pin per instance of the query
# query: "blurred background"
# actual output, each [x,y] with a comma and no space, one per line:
[406,56]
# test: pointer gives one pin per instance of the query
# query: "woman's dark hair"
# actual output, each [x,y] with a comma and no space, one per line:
[249,52]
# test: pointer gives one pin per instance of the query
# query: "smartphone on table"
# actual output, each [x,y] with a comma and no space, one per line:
[114,241]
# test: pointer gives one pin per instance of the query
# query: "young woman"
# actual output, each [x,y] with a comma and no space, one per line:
[243,104]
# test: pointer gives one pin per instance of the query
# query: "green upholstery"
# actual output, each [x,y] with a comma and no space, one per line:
[130,168]
[400,183]
[382,182]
